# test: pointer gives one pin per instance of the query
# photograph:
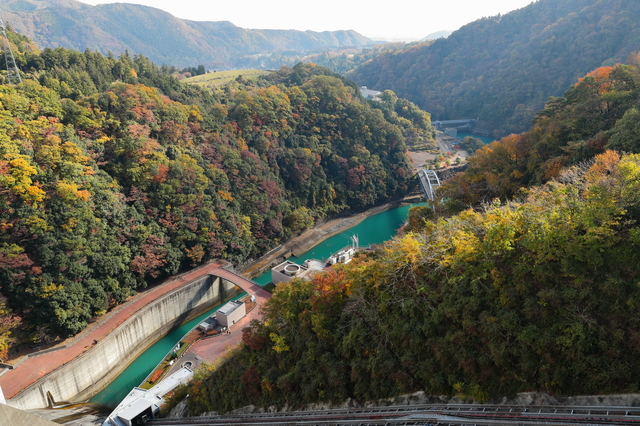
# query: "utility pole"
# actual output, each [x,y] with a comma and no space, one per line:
[13,74]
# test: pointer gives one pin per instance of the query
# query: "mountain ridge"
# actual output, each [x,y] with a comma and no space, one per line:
[157,34]
[504,68]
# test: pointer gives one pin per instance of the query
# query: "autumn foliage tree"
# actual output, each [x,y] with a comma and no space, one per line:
[595,114]
[114,175]
[538,293]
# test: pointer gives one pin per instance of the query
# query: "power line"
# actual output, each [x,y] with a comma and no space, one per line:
[13,73]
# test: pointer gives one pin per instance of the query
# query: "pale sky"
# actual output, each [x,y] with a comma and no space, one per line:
[393,20]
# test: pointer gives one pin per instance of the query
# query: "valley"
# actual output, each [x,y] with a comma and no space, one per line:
[146,178]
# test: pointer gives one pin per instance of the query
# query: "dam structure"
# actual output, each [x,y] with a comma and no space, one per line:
[79,370]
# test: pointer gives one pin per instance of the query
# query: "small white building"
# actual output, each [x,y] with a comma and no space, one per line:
[231,313]
[372,95]
[142,405]
[346,254]
[208,324]
[343,256]
[288,270]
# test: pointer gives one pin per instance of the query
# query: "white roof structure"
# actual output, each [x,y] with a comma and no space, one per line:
[140,400]
[229,307]
[369,94]
[134,409]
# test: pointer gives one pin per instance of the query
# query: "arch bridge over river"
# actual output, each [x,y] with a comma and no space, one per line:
[429,181]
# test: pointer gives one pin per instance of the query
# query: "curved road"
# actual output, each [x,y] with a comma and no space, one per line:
[36,367]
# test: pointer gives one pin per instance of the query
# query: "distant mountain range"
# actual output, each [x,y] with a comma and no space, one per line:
[437,34]
[156,34]
[502,69]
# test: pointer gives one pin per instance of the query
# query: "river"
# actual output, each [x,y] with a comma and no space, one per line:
[372,230]
[140,368]
[486,140]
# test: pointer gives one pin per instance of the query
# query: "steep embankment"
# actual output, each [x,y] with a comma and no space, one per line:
[599,112]
[82,368]
[502,69]
[534,294]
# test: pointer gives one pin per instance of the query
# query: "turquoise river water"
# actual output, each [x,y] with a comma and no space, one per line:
[484,139]
[373,230]
[140,368]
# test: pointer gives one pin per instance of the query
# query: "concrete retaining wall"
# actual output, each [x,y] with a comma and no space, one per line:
[451,171]
[86,375]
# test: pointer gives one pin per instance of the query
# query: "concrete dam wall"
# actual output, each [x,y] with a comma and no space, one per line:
[86,375]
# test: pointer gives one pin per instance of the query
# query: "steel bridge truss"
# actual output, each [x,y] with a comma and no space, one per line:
[429,181]
[13,74]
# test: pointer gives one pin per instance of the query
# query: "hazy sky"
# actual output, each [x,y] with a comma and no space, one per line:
[381,20]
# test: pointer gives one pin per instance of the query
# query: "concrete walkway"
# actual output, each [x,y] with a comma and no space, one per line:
[31,370]
[210,349]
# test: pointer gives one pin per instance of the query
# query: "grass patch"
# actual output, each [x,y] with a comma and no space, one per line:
[163,368]
[220,78]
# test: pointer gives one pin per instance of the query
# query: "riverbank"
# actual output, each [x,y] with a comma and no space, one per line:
[317,234]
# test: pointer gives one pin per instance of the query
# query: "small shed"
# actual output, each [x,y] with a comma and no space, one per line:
[231,313]
[208,324]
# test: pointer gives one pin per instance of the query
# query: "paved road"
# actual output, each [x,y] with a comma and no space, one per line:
[210,349]
[441,414]
[39,366]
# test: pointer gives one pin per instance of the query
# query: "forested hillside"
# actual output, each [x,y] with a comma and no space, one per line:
[338,60]
[599,112]
[114,175]
[502,69]
[539,294]
[158,35]
[536,291]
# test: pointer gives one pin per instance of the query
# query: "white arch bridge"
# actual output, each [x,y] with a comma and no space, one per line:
[429,181]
